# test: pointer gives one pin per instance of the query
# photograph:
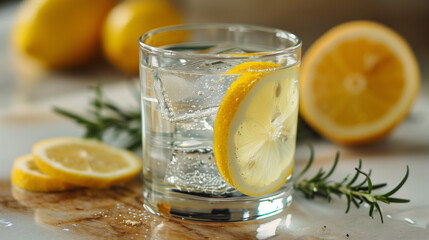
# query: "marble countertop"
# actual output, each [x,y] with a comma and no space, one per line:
[26,99]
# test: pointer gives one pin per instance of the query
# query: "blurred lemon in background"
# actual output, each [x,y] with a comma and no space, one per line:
[127,22]
[358,82]
[60,33]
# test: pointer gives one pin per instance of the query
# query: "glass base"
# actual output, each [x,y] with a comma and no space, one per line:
[209,208]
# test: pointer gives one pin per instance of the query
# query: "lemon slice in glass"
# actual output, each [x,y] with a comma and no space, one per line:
[86,162]
[255,128]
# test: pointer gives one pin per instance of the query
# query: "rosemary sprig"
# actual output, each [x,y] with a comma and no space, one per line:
[105,117]
[355,193]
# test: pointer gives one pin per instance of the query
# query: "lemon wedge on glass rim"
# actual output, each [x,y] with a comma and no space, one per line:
[86,162]
[255,128]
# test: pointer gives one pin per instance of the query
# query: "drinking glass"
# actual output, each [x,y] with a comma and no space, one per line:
[184,77]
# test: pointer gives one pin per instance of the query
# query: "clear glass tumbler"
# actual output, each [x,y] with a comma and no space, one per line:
[184,77]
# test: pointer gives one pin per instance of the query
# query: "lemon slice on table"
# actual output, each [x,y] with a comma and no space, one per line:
[86,162]
[26,175]
[358,81]
[255,128]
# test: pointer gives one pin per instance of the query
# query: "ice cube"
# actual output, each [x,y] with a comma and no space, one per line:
[196,171]
[187,94]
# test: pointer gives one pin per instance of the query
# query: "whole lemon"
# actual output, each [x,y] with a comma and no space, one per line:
[127,22]
[60,33]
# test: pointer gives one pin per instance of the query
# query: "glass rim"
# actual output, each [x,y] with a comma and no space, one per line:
[170,53]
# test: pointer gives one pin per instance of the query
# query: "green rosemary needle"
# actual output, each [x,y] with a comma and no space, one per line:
[355,193]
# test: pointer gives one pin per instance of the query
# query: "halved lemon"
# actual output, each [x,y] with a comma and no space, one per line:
[86,162]
[255,128]
[26,175]
[358,81]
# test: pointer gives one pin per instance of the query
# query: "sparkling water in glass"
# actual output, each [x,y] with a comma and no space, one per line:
[183,75]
